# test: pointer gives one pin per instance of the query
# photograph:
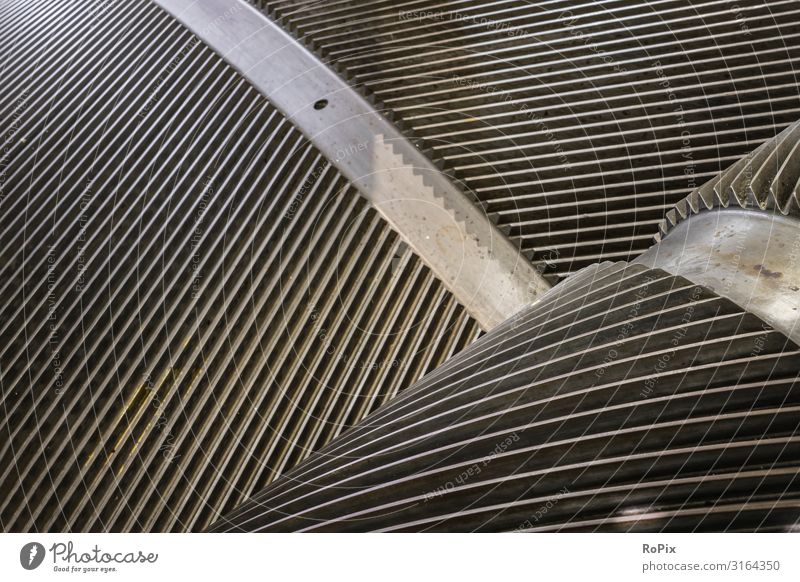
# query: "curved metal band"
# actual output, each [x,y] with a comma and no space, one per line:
[477,263]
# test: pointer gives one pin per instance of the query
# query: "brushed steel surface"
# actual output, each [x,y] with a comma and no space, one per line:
[751,257]
[739,233]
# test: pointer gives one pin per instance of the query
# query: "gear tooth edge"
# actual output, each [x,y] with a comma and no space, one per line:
[708,195]
[736,185]
[682,208]
[672,216]
[693,201]
[793,204]
[723,195]
[779,194]
[749,199]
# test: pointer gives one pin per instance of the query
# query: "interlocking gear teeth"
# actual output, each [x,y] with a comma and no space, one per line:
[768,179]
[397,119]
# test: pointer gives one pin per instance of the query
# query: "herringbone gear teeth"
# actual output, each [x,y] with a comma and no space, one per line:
[627,400]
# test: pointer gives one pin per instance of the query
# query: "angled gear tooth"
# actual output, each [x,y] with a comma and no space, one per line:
[683,208]
[750,187]
[694,202]
[787,178]
[723,183]
[673,217]
[708,193]
[763,189]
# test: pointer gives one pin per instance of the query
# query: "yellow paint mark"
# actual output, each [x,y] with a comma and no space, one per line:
[167,382]
[122,413]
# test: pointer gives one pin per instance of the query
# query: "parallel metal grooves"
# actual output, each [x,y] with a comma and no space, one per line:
[629,399]
[601,115]
[194,300]
[767,179]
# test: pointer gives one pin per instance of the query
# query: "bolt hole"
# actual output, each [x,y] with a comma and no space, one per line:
[321,104]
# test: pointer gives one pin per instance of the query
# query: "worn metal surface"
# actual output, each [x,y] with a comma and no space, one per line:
[751,257]
[578,124]
[455,238]
[193,299]
[740,233]
[627,400]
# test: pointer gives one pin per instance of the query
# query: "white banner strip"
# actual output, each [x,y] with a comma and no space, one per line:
[406,558]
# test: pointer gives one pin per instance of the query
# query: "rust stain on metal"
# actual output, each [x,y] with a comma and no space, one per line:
[767,273]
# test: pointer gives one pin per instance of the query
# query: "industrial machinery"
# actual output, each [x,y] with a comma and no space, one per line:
[365,265]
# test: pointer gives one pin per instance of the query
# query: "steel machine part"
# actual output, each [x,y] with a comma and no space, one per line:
[740,234]
[629,399]
[249,250]
[454,237]
[660,395]
[194,298]
[576,124]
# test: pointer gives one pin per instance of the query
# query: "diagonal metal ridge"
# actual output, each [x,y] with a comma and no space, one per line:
[483,269]
[766,179]
[377,102]
[576,124]
[430,182]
